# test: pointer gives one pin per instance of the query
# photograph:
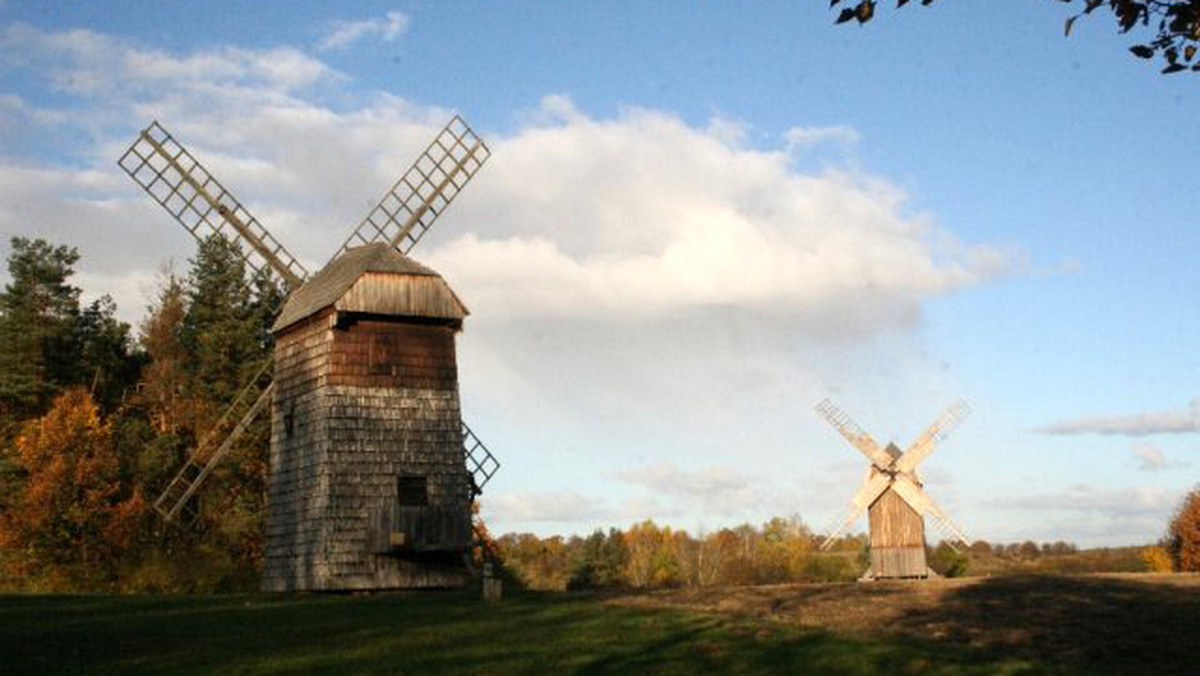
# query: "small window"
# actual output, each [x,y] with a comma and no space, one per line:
[412,491]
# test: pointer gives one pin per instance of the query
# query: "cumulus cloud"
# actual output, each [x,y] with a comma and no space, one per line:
[1137,425]
[345,33]
[675,217]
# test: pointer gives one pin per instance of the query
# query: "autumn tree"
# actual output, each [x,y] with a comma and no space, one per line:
[1174,25]
[1183,534]
[600,561]
[73,520]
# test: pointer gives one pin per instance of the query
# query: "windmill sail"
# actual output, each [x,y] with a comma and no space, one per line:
[201,204]
[414,202]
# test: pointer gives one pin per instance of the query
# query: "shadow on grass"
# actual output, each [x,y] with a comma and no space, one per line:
[412,633]
[1091,625]
[1013,626]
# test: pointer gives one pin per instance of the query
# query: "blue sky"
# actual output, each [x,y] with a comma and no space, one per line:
[700,219]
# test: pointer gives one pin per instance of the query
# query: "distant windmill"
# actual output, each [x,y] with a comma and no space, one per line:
[895,497]
[372,469]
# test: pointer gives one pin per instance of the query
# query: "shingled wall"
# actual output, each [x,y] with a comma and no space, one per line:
[361,400]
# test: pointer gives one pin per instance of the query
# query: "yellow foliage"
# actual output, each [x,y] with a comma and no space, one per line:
[1157,559]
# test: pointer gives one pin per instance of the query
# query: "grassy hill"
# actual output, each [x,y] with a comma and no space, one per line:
[1011,625]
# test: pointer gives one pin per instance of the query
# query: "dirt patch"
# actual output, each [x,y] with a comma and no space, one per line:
[841,607]
[1110,622]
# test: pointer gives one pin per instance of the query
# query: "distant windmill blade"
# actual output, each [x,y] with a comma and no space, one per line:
[853,433]
[201,204]
[920,501]
[246,406]
[411,206]
[871,489]
[936,433]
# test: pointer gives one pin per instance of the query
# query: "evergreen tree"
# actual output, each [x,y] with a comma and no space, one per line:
[39,321]
[219,331]
[106,351]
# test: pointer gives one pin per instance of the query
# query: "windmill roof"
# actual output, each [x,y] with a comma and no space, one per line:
[336,281]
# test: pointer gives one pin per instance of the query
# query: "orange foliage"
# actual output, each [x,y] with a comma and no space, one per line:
[484,547]
[1184,534]
[71,520]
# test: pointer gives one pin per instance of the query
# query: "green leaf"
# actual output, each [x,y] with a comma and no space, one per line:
[846,15]
[1142,51]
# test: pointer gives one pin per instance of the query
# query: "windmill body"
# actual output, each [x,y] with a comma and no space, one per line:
[369,488]
[894,497]
[372,470]
[897,533]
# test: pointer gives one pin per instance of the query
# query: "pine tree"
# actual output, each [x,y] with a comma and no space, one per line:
[39,318]
[219,331]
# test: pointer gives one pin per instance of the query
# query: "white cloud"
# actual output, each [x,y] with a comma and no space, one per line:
[104,68]
[547,507]
[1101,501]
[643,215]
[714,490]
[345,33]
[799,137]
[1137,425]
[1150,457]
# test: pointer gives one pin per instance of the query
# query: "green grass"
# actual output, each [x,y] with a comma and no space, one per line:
[448,633]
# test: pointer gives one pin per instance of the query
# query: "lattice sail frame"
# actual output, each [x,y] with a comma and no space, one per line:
[409,208]
[201,204]
[182,186]
[480,462]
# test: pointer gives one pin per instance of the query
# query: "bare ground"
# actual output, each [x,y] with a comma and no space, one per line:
[1111,623]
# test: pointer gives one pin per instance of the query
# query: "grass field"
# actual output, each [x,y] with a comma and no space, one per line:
[1016,625]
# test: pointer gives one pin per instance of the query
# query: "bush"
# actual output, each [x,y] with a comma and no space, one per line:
[834,567]
[947,562]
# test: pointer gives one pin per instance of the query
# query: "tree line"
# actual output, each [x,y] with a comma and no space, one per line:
[782,550]
[96,417]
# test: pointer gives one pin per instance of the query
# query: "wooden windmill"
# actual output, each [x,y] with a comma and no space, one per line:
[372,470]
[894,496]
